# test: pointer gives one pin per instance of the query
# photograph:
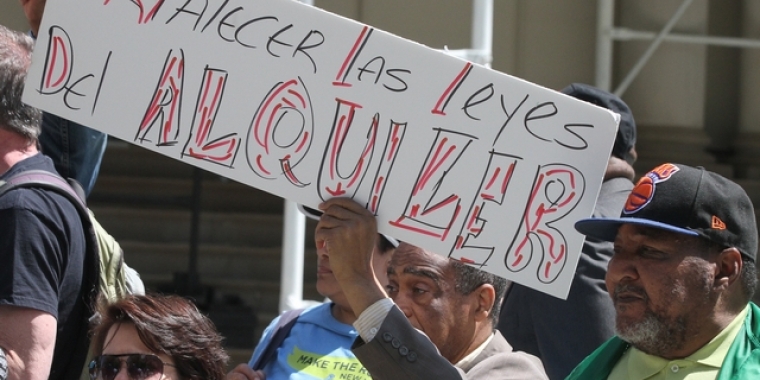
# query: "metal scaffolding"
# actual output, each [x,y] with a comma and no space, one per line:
[607,34]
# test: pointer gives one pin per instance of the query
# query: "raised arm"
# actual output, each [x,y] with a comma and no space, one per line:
[348,232]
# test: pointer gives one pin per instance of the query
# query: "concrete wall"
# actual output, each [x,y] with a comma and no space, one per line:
[552,43]
[749,97]
[11,15]
[669,91]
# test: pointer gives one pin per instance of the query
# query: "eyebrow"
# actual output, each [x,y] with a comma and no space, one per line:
[423,273]
[656,233]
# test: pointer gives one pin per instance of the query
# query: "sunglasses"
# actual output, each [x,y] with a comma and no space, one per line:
[139,366]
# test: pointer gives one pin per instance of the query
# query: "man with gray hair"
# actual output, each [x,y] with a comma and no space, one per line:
[44,288]
[436,320]
[681,279]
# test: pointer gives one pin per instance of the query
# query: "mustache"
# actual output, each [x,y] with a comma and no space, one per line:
[631,289]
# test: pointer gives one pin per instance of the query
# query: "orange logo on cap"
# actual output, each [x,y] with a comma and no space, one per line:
[717,223]
[643,192]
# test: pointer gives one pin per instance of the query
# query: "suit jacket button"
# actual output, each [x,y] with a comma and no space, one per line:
[396,343]
[403,350]
[411,357]
[387,337]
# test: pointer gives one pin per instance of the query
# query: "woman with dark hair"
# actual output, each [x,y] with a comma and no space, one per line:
[156,337]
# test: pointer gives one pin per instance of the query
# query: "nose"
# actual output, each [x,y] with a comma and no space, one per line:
[321,248]
[403,304]
[122,374]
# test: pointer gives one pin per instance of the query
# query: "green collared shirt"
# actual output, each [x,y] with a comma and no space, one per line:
[702,364]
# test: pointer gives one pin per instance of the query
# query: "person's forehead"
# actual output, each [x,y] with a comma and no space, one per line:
[629,232]
[410,259]
[122,337]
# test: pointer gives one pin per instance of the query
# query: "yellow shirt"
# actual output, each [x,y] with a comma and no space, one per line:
[703,364]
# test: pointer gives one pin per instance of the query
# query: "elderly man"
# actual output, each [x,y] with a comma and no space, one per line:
[442,325]
[681,280]
[43,282]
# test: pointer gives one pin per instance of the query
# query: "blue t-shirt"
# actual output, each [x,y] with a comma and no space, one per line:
[318,347]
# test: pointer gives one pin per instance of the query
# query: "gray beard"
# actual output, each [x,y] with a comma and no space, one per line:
[655,335]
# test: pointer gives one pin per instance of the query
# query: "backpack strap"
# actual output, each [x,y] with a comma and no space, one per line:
[111,272]
[50,181]
[281,331]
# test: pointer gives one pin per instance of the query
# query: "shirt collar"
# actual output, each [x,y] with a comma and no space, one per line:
[642,365]
[467,360]
[713,353]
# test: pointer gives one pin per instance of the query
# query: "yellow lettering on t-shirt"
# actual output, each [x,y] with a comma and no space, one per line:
[327,367]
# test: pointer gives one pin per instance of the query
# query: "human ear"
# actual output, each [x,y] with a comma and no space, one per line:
[486,296]
[728,267]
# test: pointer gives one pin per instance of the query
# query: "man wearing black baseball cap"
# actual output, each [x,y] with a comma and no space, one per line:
[681,280]
[563,332]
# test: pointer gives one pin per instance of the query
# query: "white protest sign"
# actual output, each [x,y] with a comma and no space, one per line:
[307,105]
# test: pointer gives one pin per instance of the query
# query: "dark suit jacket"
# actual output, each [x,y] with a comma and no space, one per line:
[399,351]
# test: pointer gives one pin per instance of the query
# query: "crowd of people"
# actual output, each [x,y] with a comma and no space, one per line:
[663,289]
